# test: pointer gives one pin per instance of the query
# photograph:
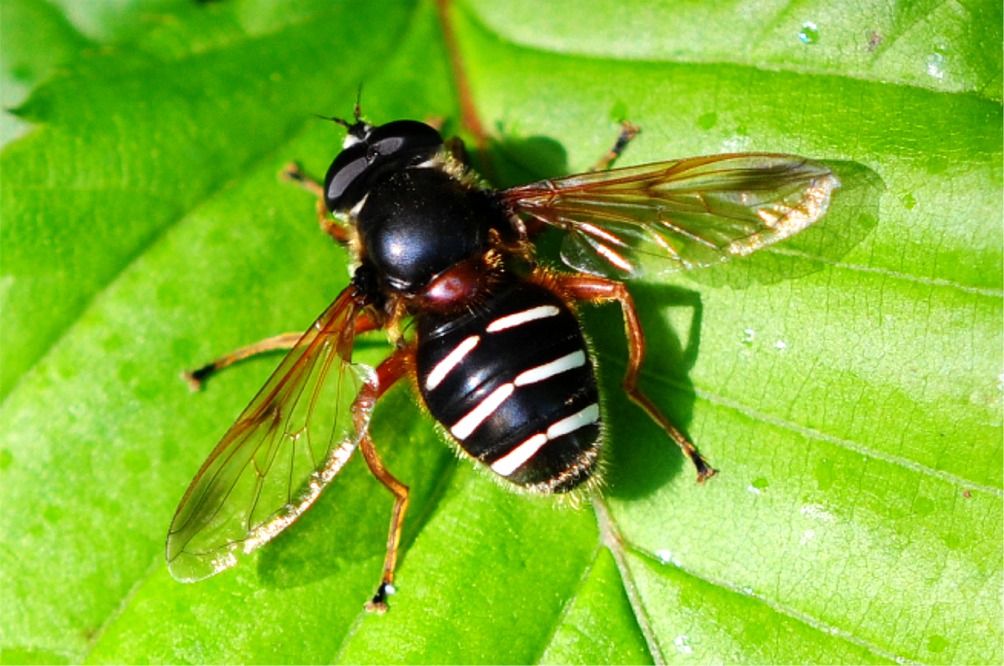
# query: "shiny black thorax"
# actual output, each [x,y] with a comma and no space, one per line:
[419,222]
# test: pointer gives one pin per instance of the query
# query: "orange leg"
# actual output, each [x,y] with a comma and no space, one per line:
[628,132]
[601,290]
[283,342]
[196,378]
[329,225]
[394,367]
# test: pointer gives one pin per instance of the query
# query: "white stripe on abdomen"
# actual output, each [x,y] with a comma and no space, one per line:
[513,460]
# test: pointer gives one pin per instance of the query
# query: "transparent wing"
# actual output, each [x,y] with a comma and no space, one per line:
[286,446]
[677,215]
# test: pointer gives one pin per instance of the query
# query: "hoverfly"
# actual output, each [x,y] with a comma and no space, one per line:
[495,347]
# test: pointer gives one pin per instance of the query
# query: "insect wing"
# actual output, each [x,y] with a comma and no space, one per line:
[286,446]
[682,214]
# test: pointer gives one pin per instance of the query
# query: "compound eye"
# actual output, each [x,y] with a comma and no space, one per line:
[380,151]
[404,136]
[390,145]
[346,171]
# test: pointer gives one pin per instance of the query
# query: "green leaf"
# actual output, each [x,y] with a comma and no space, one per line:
[847,383]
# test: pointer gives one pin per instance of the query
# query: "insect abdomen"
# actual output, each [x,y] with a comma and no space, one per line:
[514,384]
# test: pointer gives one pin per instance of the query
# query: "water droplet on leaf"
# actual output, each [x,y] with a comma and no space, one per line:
[809,34]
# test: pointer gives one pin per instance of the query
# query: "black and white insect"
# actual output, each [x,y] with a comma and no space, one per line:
[494,344]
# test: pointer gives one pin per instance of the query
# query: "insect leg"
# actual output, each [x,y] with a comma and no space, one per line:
[329,225]
[628,132]
[196,378]
[284,342]
[601,290]
[397,365]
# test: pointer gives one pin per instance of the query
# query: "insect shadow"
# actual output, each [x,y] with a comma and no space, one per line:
[639,457]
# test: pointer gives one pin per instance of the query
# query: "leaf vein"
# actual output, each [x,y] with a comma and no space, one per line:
[781,609]
[897,275]
[811,433]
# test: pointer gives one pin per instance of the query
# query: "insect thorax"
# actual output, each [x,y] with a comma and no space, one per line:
[419,222]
